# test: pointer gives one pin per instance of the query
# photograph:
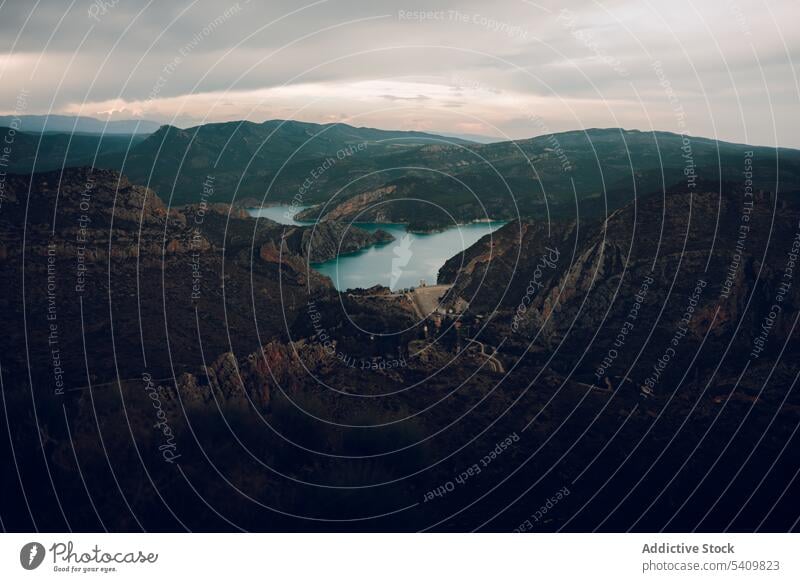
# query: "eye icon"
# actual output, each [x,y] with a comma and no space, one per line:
[31,555]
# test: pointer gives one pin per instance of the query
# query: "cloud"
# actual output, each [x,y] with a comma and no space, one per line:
[577,64]
[398,98]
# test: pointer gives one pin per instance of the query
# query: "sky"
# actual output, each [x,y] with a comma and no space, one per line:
[509,70]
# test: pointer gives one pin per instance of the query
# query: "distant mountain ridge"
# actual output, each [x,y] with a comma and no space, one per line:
[77,124]
[475,137]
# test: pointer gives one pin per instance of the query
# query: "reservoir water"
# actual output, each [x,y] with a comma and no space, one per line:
[283,214]
[401,263]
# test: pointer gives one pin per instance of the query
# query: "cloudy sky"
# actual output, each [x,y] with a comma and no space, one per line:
[513,68]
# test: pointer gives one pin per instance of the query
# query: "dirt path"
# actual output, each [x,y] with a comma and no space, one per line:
[494,363]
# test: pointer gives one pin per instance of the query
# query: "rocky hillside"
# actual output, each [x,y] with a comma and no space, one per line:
[329,239]
[714,265]
[88,248]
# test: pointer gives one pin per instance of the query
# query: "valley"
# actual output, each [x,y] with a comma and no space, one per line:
[340,311]
[229,313]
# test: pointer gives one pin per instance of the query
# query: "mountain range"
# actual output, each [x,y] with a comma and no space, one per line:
[640,335]
[424,180]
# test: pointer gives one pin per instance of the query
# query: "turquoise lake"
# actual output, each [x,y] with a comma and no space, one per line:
[281,214]
[398,264]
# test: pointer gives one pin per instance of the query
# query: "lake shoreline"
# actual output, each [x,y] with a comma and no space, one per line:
[412,257]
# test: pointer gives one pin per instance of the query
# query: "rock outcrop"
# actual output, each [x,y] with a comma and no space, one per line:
[327,240]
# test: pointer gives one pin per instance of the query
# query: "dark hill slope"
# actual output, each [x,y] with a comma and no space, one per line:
[34,152]
[586,173]
[244,157]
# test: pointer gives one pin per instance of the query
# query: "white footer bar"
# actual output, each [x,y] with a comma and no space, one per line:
[401,557]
